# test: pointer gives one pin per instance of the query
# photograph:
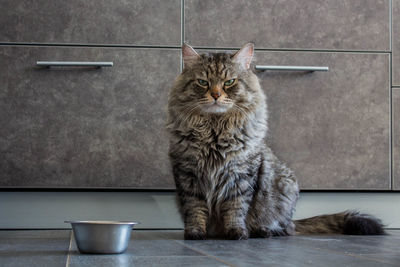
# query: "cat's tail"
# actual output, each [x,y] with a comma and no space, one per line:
[348,223]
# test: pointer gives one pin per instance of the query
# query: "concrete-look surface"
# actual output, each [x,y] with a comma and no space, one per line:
[167,248]
[320,123]
[312,24]
[396,140]
[395,43]
[139,22]
[85,127]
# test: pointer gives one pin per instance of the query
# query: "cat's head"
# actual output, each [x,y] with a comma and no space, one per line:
[217,83]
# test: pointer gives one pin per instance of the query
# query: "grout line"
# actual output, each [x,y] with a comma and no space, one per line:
[205,254]
[69,250]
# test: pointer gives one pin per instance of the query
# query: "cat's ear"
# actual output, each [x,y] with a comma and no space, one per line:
[189,55]
[244,55]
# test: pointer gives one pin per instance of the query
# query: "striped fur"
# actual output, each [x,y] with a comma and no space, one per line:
[229,183]
[349,223]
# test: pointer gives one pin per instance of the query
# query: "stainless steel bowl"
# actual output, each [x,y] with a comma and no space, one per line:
[102,237]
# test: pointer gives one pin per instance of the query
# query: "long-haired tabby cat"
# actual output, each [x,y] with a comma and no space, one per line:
[229,183]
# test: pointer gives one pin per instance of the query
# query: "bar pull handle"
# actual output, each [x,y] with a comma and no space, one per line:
[292,68]
[49,64]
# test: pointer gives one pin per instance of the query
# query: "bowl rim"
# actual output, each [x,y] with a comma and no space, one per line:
[104,222]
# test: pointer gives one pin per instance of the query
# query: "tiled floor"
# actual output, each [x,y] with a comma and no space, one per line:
[167,248]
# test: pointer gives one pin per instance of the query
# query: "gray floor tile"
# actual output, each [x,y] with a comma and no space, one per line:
[382,249]
[147,248]
[157,235]
[302,251]
[34,248]
[131,260]
[167,248]
[153,243]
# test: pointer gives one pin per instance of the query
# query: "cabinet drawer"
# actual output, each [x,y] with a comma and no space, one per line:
[311,24]
[396,139]
[85,127]
[136,22]
[332,128]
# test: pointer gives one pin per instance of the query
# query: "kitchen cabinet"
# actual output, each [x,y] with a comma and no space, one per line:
[66,127]
[396,138]
[332,128]
[91,22]
[289,24]
[85,127]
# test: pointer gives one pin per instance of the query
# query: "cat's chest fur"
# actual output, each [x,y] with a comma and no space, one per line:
[215,144]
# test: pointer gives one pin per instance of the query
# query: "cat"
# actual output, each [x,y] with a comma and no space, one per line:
[229,183]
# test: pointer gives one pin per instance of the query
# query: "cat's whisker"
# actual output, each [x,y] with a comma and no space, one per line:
[228,100]
[205,102]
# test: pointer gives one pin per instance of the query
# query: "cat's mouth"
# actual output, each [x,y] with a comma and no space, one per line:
[217,106]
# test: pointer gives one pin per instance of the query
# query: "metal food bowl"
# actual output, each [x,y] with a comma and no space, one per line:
[102,237]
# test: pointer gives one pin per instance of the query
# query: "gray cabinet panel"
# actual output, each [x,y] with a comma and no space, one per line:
[396,138]
[85,127]
[311,24]
[396,43]
[139,22]
[332,128]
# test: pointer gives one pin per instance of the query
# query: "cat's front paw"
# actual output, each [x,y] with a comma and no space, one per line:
[195,234]
[261,233]
[237,234]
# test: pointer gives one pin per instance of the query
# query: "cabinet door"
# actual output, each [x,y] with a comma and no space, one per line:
[135,22]
[85,127]
[332,128]
[396,138]
[396,43]
[311,24]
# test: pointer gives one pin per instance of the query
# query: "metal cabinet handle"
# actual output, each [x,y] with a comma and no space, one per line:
[292,68]
[73,64]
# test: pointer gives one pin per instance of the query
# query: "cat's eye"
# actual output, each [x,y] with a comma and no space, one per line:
[229,82]
[202,82]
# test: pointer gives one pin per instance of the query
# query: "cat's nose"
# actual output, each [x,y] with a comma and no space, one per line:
[216,95]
